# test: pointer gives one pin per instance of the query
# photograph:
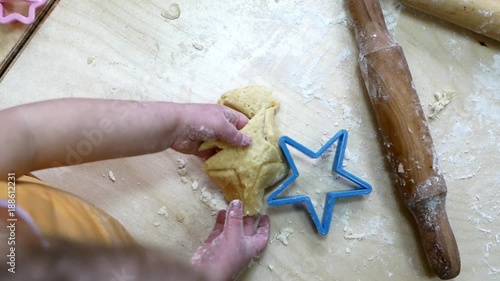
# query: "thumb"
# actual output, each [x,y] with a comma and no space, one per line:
[232,136]
[260,239]
[229,131]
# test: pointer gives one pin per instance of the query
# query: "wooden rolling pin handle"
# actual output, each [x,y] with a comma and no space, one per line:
[405,134]
[481,16]
[437,236]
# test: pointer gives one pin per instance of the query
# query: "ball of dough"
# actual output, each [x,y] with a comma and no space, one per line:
[245,172]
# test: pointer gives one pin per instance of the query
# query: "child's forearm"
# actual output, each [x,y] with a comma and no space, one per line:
[74,131]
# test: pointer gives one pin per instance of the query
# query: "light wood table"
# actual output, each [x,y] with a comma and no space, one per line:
[15,36]
[10,34]
[305,52]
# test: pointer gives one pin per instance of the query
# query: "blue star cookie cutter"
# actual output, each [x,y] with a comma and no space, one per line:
[322,226]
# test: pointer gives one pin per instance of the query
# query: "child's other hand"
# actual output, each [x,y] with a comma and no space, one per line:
[232,244]
[208,122]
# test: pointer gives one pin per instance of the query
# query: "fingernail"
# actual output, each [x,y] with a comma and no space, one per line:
[236,203]
[246,140]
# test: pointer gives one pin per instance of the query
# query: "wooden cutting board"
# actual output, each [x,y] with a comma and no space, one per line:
[306,53]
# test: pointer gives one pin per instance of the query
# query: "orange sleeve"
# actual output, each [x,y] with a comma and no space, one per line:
[59,214]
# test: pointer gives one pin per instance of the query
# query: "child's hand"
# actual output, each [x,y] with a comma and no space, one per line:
[232,244]
[208,122]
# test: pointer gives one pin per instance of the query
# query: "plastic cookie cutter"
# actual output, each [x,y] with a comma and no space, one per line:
[8,18]
[323,225]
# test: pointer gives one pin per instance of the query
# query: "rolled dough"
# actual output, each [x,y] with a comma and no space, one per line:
[245,173]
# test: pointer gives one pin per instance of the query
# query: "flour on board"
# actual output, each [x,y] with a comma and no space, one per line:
[349,234]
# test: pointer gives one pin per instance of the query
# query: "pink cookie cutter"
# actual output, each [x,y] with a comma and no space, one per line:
[8,18]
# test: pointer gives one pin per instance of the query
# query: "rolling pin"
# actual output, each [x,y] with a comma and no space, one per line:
[405,135]
[481,16]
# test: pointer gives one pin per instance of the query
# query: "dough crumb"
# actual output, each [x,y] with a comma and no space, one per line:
[184,180]
[182,172]
[163,211]
[111,176]
[90,60]
[181,163]
[198,46]
[173,12]
[271,267]
[180,217]
[348,250]
[348,234]
[195,185]
[284,235]
[156,223]
[442,100]
[145,198]
[401,169]
[205,196]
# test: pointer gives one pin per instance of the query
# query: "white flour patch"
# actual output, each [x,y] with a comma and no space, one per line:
[484,214]
[486,77]
[391,11]
[342,56]
[350,234]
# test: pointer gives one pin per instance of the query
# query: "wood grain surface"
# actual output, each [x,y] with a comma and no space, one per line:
[15,36]
[306,52]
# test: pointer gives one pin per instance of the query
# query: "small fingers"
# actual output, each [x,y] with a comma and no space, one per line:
[213,235]
[205,154]
[233,227]
[259,241]
[249,225]
[238,119]
[218,227]
[220,220]
[231,134]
